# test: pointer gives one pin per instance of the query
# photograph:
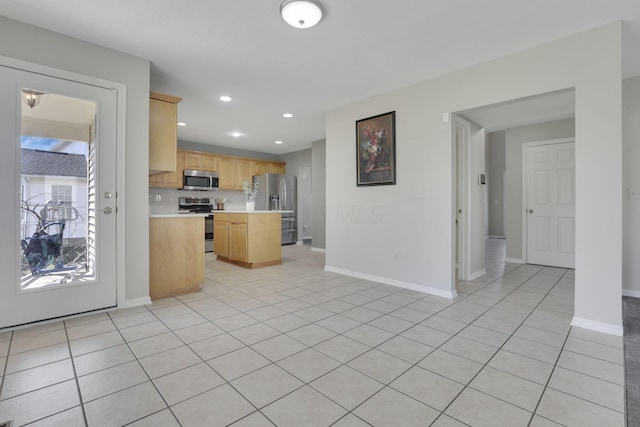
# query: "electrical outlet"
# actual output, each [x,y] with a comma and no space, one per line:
[158,198]
[634,194]
[396,255]
[418,193]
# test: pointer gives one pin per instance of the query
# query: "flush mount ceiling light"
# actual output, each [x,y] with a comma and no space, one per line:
[31,97]
[278,142]
[301,13]
[287,115]
[225,98]
[236,134]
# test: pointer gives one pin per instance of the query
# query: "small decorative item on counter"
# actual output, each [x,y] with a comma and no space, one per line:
[251,191]
[220,203]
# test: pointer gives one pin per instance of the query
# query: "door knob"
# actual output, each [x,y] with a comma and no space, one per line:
[106,210]
[530,210]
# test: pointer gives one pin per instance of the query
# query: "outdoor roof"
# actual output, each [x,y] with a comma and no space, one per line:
[38,162]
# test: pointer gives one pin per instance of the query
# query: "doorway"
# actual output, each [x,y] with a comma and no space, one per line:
[59,215]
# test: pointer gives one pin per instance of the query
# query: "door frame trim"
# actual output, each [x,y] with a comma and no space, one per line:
[121,125]
[523,211]
[461,185]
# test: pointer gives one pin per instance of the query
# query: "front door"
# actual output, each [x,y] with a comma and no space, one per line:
[58,211]
[550,211]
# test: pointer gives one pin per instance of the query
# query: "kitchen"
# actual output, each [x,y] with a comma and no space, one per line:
[242,209]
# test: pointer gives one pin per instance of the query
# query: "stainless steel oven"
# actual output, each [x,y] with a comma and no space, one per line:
[200,205]
[208,234]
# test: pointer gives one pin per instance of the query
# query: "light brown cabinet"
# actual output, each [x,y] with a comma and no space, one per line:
[200,161]
[232,170]
[242,172]
[275,167]
[169,179]
[226,173]
[258,167]
[248,239]
[176,256]
[163,134]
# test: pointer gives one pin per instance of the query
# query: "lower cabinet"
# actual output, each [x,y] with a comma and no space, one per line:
[248,239]
[176,256]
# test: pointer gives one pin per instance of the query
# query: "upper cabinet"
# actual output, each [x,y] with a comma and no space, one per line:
[232,171]
[163,134]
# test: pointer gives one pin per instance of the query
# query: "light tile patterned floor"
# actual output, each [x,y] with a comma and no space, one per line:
[293,345]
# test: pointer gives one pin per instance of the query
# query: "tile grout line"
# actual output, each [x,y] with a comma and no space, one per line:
[467,385]
[137,359]
[203,361]
[75,376]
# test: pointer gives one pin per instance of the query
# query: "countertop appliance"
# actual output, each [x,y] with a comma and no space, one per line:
[279,192]
[200,205]
[199,180]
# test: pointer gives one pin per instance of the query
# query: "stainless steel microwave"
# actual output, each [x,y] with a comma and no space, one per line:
[199,180]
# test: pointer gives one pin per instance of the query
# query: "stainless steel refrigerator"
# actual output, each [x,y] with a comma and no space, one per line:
[279,192]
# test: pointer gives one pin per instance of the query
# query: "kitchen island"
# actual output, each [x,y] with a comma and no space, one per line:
[176,254]
[249,239]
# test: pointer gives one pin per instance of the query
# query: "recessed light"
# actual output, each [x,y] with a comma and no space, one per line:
[236,134]
[181,124]
[287,115]
[225,98]
[278,142]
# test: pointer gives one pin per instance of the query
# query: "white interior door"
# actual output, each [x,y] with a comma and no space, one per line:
[57,242]
[550,211]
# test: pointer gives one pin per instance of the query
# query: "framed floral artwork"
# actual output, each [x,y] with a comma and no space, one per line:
[376,150]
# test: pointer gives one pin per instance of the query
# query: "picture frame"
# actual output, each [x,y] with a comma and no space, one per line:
[376,150]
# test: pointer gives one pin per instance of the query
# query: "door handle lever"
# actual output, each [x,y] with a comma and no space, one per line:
[530,210]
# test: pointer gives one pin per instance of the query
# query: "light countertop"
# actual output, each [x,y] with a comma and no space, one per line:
[203,215]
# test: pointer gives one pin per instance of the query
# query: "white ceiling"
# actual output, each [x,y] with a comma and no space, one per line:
[59,108]
[201,49]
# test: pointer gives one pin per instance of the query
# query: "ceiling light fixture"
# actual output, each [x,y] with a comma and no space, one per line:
[301,13]
[236,134]
[31,97]
[278,142]
[225,98]
[181,124]
[287,115]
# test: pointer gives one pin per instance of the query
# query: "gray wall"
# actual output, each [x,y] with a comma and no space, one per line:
[299,164]
[319,191]
[39,46]
[495,164]
[227,151]
[367,227]
[514,138]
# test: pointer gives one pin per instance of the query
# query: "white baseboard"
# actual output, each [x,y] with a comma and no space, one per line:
[477,274]
[631,293]
[319,250]
[136,302]
[593,325]
[393,282]
[515,260]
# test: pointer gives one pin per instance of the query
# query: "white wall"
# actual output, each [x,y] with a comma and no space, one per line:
[514,138]
[318,191]
[367,227]
[39,46]
[631,180]
[495,164]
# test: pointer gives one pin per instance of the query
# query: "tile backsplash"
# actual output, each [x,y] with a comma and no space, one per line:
[168,203]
